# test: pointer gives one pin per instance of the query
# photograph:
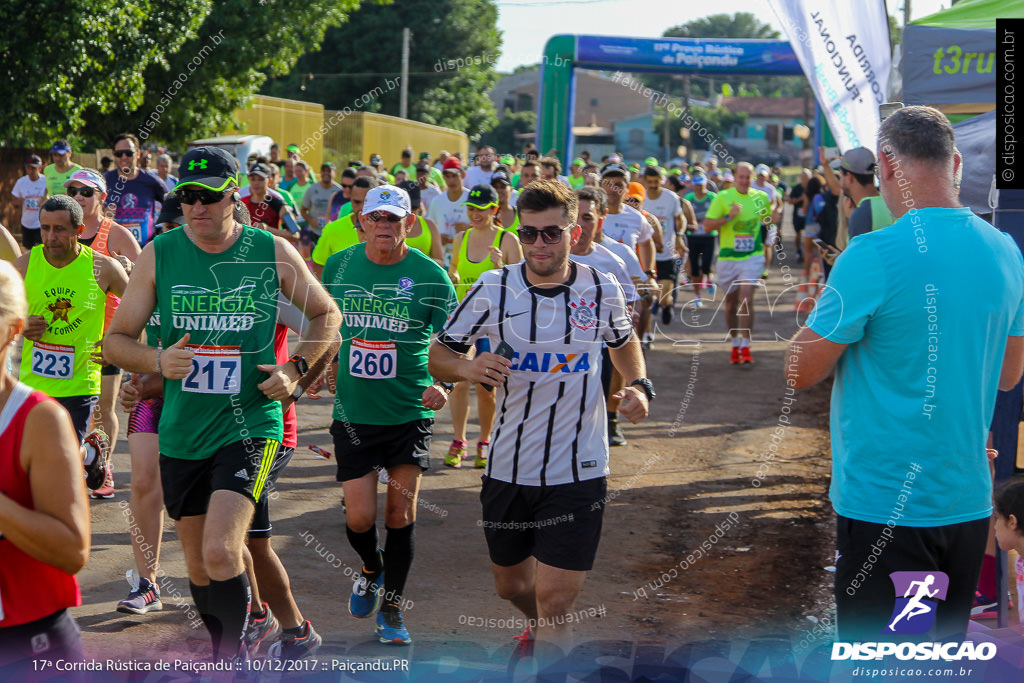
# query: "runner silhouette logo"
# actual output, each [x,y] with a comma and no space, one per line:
[917,596]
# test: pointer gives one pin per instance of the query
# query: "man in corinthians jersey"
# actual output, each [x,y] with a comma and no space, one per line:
[216,284]
[544,489]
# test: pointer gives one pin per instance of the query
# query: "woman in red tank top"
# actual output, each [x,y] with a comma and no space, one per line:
[44,515]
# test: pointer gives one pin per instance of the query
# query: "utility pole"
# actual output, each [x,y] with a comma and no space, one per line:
[403,107]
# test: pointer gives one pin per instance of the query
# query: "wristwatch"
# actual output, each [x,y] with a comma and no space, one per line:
[300,364]
[646,385]
[447,386]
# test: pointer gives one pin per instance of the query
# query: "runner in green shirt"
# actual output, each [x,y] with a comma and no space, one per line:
[392,299]
[220,429]
[58,172]
[738,212]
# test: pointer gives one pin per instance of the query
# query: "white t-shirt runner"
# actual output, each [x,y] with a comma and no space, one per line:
[607,262]
[475,175]
[33,194]
[628,226]
[551,425]
[665,208]
[445,213]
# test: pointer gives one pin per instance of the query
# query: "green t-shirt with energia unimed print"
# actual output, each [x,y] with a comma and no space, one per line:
[388,315]
[227,304]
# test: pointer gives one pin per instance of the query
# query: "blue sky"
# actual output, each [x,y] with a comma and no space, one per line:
[527,24]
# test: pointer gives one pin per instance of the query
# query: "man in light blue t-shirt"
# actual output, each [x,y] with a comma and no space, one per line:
[918,359]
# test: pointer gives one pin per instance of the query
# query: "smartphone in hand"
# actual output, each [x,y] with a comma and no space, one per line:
[505,351]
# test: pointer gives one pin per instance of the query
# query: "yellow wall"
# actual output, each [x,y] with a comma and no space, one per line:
[360,134]
[334,136]
[389,135]
[288,122]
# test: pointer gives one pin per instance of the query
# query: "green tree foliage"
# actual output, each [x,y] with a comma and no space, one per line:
[503,136]
[717,121]
[68,63]
[739,25]
[258,40]
[171,70]
[454,47]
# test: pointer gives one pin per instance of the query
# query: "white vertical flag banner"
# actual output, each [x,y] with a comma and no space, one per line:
[843,48]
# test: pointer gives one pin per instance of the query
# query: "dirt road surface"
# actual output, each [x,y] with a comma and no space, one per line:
[718,530]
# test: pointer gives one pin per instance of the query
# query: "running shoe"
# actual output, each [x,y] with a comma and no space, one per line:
[745,356]
[107,490]
[96,471]
[615,435]
[366,590]
[483,449]
[144,596]
[984,607]
[735,357]
[522,650]
[524,645]
[456,452]
[698,302]
[259,630]
[666,315]
[293,648]
[391,627]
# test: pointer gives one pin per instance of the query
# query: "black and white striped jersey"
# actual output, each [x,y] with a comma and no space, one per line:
[551,425]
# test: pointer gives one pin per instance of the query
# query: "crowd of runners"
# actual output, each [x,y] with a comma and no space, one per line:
[208,302]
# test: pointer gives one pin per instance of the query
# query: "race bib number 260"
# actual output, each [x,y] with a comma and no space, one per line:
[215,370]
[373,359]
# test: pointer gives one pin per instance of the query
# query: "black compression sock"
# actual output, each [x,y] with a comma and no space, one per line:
[229,610]
[398,554]
[201,596]
[365,544]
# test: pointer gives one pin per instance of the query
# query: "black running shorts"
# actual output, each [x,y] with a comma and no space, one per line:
[361,448]
[559,525]
[667,269]
[244,467]
[261,526]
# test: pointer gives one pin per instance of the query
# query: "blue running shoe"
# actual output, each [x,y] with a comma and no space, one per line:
[391,627]
[366,592]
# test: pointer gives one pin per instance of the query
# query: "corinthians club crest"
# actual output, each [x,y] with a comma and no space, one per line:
[582,315]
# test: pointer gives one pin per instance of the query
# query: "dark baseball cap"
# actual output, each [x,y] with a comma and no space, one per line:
[412,188]
[60,147]
[33,160]
[500,177]
[170,211]
[209,167]
[260,170]
[859,160]
[482,196]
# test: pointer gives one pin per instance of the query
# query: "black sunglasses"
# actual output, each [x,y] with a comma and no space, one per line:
[552,234]
[378,216]
[347,186]
[205,197]
[84,191]
[124,153]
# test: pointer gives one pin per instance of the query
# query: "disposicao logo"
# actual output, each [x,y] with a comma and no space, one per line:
[917,595]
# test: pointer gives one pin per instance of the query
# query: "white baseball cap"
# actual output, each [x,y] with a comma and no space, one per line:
[388,198]
[87,177]
[762,169]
